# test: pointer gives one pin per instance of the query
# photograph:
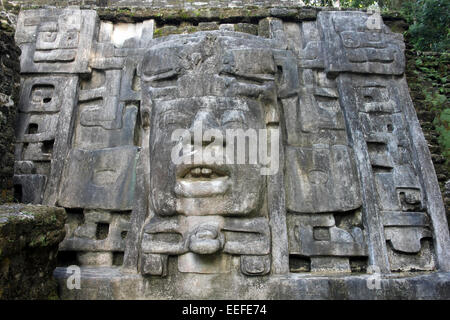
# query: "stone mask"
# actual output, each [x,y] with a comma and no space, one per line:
[223,82]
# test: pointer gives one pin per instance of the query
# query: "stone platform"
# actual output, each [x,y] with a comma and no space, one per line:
[111,283]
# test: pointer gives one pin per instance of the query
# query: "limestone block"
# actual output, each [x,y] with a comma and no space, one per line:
[312,175]
[95,258]
[154,264]
[104,180]
[424,260]
[330,264]
[56,40]
[314,116]
[204,264]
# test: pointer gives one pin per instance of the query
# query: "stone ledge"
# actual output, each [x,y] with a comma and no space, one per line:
[111,283]
[248,13]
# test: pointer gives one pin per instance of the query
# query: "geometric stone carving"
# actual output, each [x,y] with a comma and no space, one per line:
[353,43]
[181,235]
[406,240]
[101,231]
[104,121]
[399,190]
[304,40]
[44,127]
[55,40]
[154,264]
[328,246]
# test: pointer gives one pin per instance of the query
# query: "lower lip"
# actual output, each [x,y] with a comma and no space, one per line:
[201,189]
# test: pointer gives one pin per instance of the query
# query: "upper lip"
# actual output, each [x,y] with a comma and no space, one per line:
[201,171]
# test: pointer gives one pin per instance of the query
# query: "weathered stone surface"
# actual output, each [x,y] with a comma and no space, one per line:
[43,132]
[55,40]
[104,179]
[359,42]
[29,238]
[349,186]
[312,175]
[110,283]
[391,133]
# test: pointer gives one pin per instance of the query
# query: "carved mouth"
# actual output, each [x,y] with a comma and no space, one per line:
[203,173]
[197,181]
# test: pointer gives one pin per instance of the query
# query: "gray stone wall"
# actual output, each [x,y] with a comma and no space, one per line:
[356,186]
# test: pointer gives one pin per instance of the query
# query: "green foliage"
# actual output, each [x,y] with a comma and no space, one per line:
[361,4]
[431,71]
[442,123]
[431,28]
[321,3]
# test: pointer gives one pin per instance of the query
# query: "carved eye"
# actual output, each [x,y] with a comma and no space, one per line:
[72,37]
[49,36]
[233,117]
[172,118]
[350,39]
[163,78]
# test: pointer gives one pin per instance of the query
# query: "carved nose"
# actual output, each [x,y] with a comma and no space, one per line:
[203,121]
[207,119]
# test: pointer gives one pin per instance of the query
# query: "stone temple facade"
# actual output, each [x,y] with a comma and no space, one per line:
[353,209]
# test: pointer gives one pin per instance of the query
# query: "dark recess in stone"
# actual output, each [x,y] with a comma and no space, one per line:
[32,128]
[47,146]
[118,258]
[67,258]
[102,231]
[18,193]
[299,264]
[358,264]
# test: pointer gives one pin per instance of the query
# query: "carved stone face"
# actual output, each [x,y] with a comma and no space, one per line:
[226,81]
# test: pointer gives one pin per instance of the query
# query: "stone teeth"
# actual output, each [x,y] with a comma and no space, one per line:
[201,172]
[206,171]
[196,172]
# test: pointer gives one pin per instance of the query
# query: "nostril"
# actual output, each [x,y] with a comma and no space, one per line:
[206,142]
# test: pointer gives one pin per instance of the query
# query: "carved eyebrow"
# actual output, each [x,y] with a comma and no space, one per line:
[176,109]
[161,74]
[234,115]
[171,114]
[259,78]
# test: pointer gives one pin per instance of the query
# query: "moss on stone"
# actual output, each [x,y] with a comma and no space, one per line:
[29,239]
